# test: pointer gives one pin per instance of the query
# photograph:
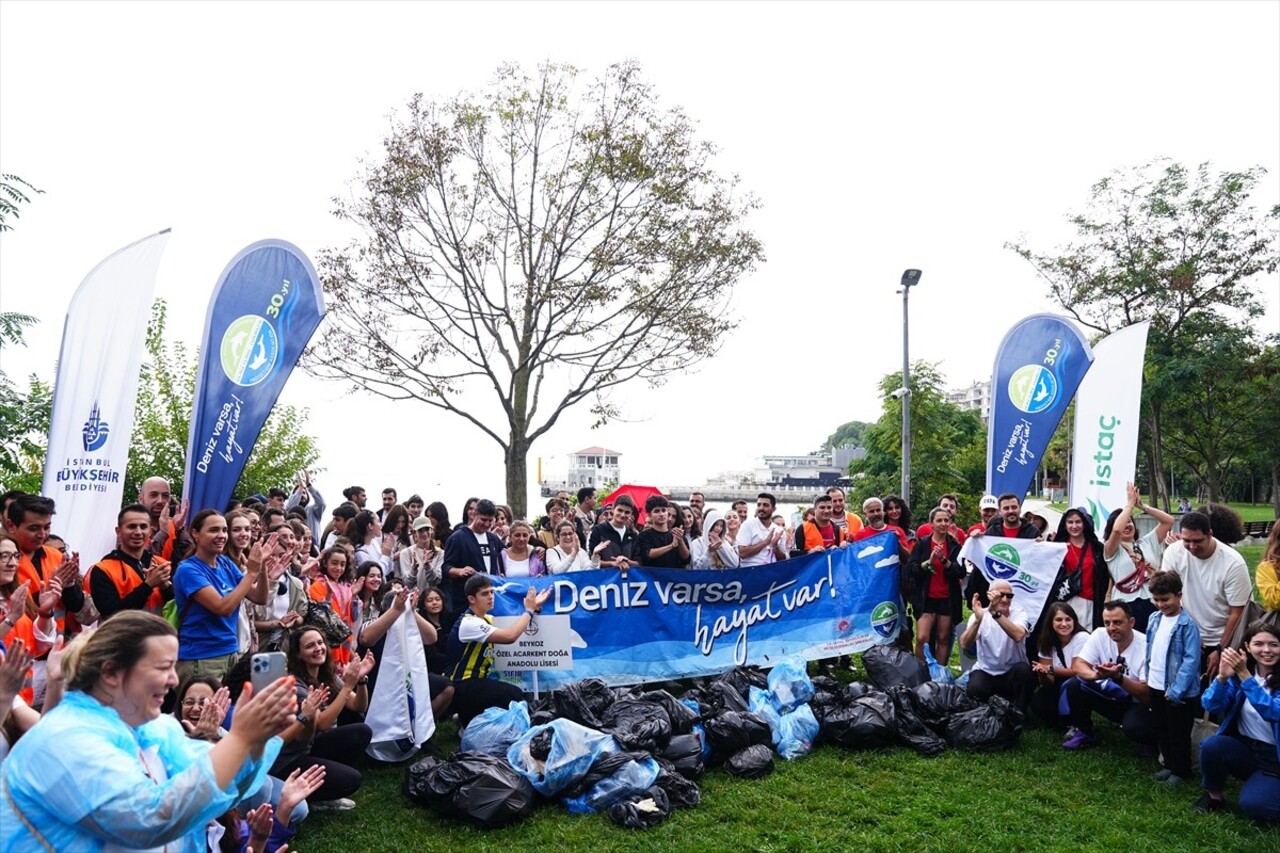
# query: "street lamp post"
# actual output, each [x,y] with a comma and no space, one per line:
[910,278]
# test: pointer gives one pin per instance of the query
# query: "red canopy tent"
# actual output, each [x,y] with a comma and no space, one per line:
[638,495]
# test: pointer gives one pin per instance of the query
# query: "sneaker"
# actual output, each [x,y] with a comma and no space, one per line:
[1207,804]
[1080,740]
[1162,774]
[342,804]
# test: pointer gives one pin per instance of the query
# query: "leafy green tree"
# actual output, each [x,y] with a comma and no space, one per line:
[24,416]
[848,433]
[948,447]
[532,248]
[158,447]
[1166,244]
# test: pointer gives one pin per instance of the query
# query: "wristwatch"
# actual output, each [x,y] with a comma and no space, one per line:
[996,614]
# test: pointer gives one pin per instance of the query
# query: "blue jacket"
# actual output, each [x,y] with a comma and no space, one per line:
[1182,664]
[461,550]
[1229,696]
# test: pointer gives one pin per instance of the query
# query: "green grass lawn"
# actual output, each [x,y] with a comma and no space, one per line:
[1035,797]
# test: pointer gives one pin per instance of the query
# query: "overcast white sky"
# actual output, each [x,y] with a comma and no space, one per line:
[878,136]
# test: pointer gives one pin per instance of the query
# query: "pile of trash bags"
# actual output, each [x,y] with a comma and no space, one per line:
[637,754]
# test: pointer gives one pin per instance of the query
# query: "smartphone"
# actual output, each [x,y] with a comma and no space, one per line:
[265,668]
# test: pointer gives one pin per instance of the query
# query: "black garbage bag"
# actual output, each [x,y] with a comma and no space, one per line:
[605,766]
[823,699]
[637,723]
[731,731]
[888,666]
[856,689]
[684,752]
[936,702]
[825,683]
[471,787]
[540,745]
[857,726]
[911,727]
[584,702]
[682,716]
[743,678]
[992,727]
[724,696]
[754,762]
[682,791]
[642,811]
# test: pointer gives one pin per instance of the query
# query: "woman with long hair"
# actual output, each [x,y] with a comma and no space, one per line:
[1059,641]
[1247,692]
[898,514]
[239,536]
[396,524]
[22,618]
[107,769]
[1266,575]
[335,733]
[936,571]
[365,532]
[1132,561]
[1082,579]
[431,607]
[732,524]
[338,586]
[439,515]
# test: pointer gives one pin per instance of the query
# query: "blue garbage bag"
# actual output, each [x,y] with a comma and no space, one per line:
[790,685]
[572,750]
[763,703]
[633,776]
[495,729]
[796,733]
[937,671]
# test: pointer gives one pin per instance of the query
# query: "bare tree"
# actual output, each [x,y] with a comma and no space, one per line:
[531,248]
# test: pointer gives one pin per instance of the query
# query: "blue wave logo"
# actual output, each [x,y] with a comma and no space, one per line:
[1032,388]
[1003,562]
[884,619]
[95,432]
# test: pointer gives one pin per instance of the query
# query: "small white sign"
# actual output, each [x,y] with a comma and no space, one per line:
[546,644]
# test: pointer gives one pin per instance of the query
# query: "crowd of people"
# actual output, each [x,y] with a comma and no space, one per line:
[142,729]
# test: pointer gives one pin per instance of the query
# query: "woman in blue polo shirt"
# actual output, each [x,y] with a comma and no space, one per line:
[208,590]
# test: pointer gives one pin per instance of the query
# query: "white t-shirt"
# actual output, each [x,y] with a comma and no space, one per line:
[1210,588]
[1124,569]
[997,652]
[751,533]
[482,539]
[474,629]
[517,568]
[1251,722]
[1160,652]
[1102,649]
[1070,651]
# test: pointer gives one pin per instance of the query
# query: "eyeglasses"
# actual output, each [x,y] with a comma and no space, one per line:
[1007,595]
[10,556]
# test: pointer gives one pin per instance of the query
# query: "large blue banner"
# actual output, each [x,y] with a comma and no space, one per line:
[263,312]
[1038,367]
[658,624]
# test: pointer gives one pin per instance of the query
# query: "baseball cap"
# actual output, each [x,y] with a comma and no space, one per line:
[421,522]
[988,502]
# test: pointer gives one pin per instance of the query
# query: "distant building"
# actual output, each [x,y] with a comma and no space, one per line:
[593,466]
[813,470]
[975,398]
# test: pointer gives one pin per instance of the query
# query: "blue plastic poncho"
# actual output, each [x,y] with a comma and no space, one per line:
[78,778]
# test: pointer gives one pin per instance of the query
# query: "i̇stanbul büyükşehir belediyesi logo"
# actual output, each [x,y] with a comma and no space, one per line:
[1033,388]
[96,430]
[249,350]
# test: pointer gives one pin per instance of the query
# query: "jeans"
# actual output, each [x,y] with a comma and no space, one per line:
[1172,723]
[1134,717]
[1251,760]
[1014,685]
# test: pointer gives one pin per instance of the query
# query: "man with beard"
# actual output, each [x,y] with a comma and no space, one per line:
[130,577]
[760,541]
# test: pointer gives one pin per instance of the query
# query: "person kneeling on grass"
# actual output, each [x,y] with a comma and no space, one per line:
[1173,676]
[999,632]
[470,651]
[1247,745]
[1110,678]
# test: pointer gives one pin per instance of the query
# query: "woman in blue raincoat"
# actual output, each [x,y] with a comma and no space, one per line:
[106,771]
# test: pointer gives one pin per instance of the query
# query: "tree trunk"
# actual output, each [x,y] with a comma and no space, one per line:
[518,476]
[1275,487]
[1159,489]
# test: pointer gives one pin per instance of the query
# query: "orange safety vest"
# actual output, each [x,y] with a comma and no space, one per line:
[127,580]
[813,536]
[51,560]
